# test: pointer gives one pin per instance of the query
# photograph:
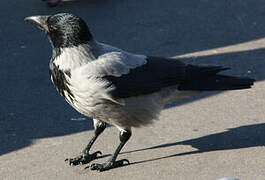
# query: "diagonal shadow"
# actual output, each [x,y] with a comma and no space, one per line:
[234,138]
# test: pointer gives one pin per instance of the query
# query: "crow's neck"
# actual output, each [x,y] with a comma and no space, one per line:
[69,58]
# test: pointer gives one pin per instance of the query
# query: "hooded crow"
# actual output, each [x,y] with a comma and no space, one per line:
[116,87]
[53,3]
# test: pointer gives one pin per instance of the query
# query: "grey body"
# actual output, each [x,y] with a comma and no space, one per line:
[89,63]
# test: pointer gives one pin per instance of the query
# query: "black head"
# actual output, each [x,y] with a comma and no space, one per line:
[63,30]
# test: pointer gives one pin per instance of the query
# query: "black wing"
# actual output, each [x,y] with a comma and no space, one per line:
[159,73]
[156,74]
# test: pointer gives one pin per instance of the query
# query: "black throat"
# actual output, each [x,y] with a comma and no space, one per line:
[59,79]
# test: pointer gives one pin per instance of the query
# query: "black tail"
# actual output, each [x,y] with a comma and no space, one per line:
[206,79]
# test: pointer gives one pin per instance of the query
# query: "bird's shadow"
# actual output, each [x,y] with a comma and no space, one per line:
[234,138]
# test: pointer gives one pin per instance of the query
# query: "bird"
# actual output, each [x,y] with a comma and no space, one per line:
[116,87]
[53,3]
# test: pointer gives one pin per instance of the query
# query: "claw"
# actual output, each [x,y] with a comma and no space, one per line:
[82,159]
[95,166]
[108,165]
[125,160]
[98,152]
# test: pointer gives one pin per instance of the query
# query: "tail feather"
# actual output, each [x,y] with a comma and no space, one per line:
[207,79]
[197,72]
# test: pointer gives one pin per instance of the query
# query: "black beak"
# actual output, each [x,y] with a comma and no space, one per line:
[39,21]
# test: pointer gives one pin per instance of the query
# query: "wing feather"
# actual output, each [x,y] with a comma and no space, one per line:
[154,75]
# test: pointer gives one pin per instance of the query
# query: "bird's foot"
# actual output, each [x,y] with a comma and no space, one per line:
[108,165]
[54,3]
[83,158]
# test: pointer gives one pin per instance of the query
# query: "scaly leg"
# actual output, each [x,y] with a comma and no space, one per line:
[85,157]
[112,163]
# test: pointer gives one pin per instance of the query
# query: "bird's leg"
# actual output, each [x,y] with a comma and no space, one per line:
[85,157]
[112,163]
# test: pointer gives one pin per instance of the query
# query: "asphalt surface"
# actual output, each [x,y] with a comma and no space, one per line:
[206,137]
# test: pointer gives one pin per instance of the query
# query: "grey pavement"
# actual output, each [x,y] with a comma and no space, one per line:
[207,137]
